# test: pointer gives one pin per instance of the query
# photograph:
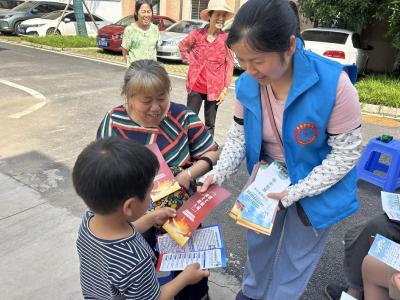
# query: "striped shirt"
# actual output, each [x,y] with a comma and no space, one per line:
[116,269]
[181,135]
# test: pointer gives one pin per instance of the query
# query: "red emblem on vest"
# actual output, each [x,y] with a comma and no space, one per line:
[305,133]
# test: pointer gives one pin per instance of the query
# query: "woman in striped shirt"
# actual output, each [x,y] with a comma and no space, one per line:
[149,117]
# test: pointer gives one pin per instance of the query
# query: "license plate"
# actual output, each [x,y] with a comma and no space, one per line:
[102,43]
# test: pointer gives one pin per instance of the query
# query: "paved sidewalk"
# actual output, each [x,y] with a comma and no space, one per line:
[39,259]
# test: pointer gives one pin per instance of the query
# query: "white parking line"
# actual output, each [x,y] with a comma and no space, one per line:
[33,93]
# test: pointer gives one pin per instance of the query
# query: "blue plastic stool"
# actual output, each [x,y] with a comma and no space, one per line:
[369,163]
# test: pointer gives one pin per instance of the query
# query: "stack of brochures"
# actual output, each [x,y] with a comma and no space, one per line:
[205,247]
[192,213]
[253,209]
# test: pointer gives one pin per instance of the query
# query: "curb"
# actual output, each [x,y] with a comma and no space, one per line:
[366,108]
[381,111]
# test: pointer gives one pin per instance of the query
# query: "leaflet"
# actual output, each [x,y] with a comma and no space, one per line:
[346,296]
[253,209]
[386,251]
[391,205]
[189,216]
[164,182]
[205,247]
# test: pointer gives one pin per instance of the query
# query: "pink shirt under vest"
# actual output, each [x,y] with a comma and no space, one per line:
[346,115]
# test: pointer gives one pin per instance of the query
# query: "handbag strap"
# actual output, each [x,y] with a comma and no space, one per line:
[272,121]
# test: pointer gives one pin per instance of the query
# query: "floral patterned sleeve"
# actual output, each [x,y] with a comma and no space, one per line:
[185,45]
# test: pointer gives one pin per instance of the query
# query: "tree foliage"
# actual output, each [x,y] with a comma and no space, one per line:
[354,14]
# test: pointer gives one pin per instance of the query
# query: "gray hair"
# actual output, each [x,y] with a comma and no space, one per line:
[146,77]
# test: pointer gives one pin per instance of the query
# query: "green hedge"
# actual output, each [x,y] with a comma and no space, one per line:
[379,90]
[60,41]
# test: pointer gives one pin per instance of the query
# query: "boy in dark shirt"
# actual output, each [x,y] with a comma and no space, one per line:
[114,178]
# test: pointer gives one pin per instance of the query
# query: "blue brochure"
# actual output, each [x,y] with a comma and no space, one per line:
[386,251]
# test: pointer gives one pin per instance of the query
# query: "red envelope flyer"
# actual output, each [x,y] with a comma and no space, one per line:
[193,212]
[164,182]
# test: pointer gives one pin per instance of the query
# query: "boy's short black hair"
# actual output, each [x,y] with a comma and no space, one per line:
[111,170]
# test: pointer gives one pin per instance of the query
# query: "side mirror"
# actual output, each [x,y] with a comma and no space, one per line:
[34,11]
[67,20]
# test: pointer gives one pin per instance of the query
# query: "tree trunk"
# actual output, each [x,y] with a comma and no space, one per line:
[80,18]
[396,65]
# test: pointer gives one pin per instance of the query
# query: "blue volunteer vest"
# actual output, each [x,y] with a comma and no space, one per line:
[308,107]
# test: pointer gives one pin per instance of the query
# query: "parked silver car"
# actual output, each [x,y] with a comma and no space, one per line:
[171,37]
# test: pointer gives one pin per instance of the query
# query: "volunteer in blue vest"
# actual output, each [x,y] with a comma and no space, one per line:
[302,110]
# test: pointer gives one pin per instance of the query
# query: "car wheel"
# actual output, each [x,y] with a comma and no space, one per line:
[51,31]
[16,26]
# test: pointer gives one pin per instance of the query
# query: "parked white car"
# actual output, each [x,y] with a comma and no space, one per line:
[48,23]
[341,45]
[173,35]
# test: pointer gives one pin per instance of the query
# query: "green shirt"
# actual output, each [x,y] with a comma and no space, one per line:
[140,44]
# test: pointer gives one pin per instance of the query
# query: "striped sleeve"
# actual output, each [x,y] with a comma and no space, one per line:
[105,129]
[139,282]
[200,140]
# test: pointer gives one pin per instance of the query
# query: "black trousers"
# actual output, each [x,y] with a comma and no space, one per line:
[194,101]
[358,241]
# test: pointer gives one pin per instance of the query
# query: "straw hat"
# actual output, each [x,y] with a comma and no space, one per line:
[217,5]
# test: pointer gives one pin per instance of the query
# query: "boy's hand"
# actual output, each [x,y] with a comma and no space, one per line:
[161,215]
[193,274]
[396,281]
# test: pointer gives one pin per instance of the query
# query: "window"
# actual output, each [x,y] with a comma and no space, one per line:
[71,17]
[167,23]
[325,36]
[126,21]
[8,4]
[197,7]
[89,19]
[185,26]
[57,6]
[43,8]
[156,21]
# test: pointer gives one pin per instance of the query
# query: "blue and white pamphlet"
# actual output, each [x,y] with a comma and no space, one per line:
[391,205]
[257,210]
[386,251]
[346,296]
[205,246]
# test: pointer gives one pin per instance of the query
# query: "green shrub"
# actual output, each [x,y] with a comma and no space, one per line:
[379,90]
[60,41]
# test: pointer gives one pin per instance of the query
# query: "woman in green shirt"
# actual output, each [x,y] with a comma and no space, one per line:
[141,37]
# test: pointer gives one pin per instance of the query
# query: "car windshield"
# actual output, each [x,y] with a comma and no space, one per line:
[325,36]
[53,15]
[24,6]
[126,21]
[184,26]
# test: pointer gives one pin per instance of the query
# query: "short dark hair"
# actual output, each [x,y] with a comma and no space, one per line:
[111,170]
[265,25]
[139,4]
